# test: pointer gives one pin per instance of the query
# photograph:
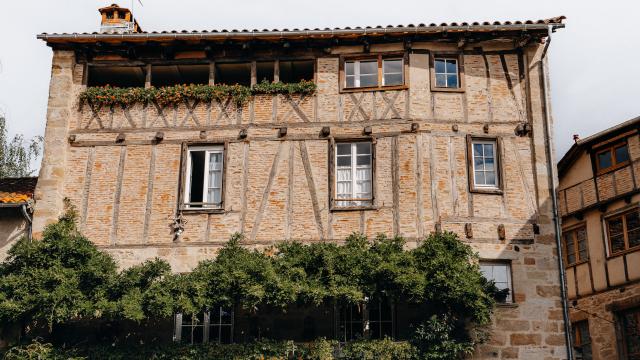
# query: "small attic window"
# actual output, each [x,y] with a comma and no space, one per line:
[116,76]
[296,71]
[109,15]
[121,15]
[169,75]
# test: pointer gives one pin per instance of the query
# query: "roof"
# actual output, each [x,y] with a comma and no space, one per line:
[246,35]
[17,190]
[582,144]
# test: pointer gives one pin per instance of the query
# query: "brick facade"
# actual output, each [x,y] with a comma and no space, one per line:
[278,188]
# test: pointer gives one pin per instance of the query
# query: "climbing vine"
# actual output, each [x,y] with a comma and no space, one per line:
[239,94]
[64,278]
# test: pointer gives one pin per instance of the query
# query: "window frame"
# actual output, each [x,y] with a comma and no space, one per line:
[365,320]
[577,333]
[620,215]
[498,188]
[186,176]
[511,299]
[333,176]
[380,57]
[206,324]
[571,230]
[611,148]
[459,57]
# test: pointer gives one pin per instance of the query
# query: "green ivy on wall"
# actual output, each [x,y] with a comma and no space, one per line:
[168,95]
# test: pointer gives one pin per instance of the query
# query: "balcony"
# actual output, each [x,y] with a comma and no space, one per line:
[599,190]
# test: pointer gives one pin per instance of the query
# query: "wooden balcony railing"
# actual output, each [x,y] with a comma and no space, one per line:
[599,189]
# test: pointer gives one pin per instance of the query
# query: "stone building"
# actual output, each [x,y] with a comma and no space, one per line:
[16,210]
[411,129]
[598,201]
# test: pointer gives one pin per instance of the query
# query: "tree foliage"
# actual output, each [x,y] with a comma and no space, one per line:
[64,277]
[17,154]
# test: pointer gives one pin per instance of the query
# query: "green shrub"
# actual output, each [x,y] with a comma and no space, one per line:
[385,349]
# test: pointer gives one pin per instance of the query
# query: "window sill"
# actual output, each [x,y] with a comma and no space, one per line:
[488,191]
[510,305]
[612,168]
[353,208]
[203,211]
[624,252]
[373,88]
[576,264]
[451,90]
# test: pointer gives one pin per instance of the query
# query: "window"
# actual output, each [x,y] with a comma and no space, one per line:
[631,333]
[446,73]
[373,72]
[612,157]
[350,322]
[484,163]
[582,340]
[204,177]
[392,73]
[353,174]
[623,231]
[214,326]
[372,319]
[116,76]
[575,245]
[500,274]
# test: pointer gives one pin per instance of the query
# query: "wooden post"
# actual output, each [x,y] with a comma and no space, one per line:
[254,73]
[212,73]
[276,71]
[147,79]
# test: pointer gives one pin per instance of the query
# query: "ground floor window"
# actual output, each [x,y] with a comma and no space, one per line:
[211,326]
[372,319]
[630,321]
[582,340]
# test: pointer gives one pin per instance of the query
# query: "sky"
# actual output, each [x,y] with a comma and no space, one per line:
[594,66]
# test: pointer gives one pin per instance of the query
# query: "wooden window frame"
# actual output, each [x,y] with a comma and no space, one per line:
[622,215]
[573,229]
[185,173]
[509,264]
[578,341]
[333,176]
[498,189]
[622,331]
[614,161]
[379,57]
[432,71]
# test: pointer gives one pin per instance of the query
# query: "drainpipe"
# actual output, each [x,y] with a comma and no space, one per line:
[554,198]
[25,213]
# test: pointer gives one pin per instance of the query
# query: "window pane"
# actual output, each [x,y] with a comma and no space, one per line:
[440,66]
[633,229]
[488,164]
[480,180]
[344,161]
[351,81]
[364,160]
[571,258]
[490,177]
[392,79]
[452,81]
[477,150]
[478,163]
[488,150]
[570,247]
[604,160]
[452,67]
[349,68]
[369,67]
[441,80]
[616,236]
[392,66]
[344,149]
[363,148]
[622,154]
[368,80]
[196,183]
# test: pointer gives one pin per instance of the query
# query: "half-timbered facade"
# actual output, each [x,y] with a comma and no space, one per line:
[411,129]
[598,202]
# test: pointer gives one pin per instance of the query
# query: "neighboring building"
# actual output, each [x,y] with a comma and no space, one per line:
[598,201]
[16,209]
[411,129]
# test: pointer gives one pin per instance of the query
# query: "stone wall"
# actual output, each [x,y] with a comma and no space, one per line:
[278,188]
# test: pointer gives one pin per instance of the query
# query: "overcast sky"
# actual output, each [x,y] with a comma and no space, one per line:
[595,71]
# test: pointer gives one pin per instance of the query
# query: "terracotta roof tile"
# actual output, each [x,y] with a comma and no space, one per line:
[17,190]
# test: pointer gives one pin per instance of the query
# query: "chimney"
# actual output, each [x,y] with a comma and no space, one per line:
[576,137]
[118,20]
